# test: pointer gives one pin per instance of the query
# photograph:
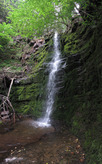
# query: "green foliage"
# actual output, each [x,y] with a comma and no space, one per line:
[31,18]
[36,17]
[3,10]
[6,31]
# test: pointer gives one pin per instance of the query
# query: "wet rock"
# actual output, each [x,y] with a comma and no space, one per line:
[75,27]
[41,41]
[47,39]
[76,22]
[36,45]
[17,39]
[23,81]
[32,42]
[27,56]
[75,57]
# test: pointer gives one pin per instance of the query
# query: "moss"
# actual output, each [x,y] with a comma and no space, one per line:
[70,46]
[40,56]
[30,107]
[79,103]
[28,97]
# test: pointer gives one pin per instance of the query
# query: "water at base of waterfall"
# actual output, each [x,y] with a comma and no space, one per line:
[54,66]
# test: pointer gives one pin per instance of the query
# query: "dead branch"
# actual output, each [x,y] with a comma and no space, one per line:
[10,87]
[6,105]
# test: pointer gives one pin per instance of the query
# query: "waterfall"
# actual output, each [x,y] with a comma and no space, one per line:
[54,66]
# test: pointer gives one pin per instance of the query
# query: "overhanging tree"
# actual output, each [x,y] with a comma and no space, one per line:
[6,30]
[33,17]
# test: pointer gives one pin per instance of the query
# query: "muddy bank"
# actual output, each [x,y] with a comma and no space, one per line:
[29,144]
[22,133]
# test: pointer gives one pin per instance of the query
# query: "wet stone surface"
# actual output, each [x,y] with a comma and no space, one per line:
[50,147]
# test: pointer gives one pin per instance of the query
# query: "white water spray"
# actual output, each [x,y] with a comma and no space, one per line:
[51,86]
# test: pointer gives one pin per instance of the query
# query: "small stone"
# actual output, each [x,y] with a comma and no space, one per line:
[78,146]
[81,160]
[77,151]
[76,141]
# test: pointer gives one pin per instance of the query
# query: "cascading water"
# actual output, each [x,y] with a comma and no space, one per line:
[54,67]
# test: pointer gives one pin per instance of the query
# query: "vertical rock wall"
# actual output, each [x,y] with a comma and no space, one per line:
[79,102]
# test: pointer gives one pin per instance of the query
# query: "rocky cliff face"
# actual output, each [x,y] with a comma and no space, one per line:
[28,91]
[79,102]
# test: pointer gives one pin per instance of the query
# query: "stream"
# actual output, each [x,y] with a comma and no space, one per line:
[27,144]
